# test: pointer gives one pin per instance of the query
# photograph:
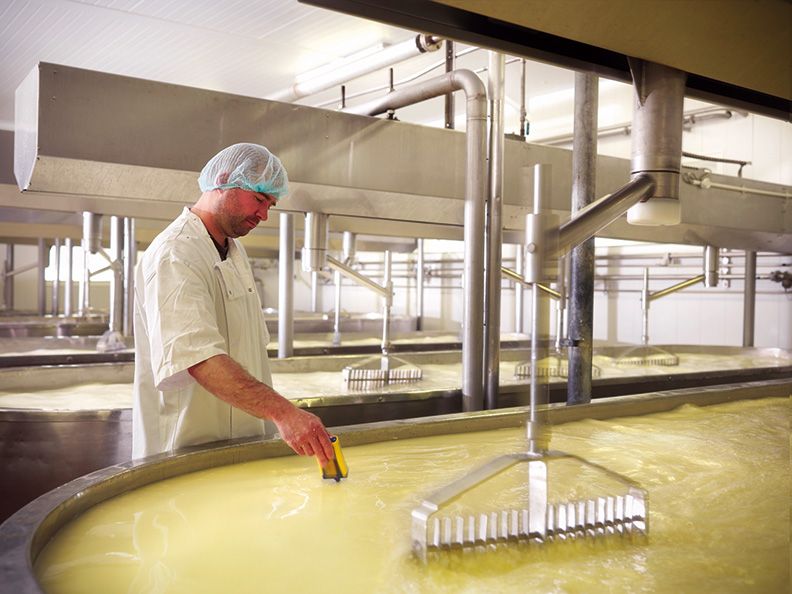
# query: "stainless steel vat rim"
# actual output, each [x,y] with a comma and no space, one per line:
[423,351]
[24,534]
[416,392]
[31,415]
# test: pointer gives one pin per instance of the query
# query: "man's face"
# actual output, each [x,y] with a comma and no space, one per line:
[240,211]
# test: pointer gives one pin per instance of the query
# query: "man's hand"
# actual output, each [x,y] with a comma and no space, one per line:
[301,430]
[305,434]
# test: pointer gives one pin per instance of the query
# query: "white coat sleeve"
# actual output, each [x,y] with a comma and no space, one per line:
[181,319]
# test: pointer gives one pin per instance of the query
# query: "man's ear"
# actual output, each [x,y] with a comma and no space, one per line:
[222,178]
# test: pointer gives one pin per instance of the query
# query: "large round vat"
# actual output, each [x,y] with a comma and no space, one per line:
[21,326]
[58,423]
[247,517]
[35,456]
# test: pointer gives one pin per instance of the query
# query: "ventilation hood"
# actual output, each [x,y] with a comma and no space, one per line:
[111,144]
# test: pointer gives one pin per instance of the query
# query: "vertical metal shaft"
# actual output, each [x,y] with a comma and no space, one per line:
[386,306]
[117,280]
[645,308]
[450,64]
[749,299]
[711,266]
[83,288]
[56,280]
[314,291]
[337,310]
[42,287]
[8,285]
[68,282]
[91,244]
[581,282]
[286,285]
[494,230]
[419,287]
[523,112]
[473,314]
[561,303]
[130,259]
[537,433]
[519,300]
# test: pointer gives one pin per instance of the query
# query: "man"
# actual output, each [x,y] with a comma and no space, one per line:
[201,368]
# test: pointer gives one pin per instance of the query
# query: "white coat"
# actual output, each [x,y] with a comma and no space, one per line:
[189,306]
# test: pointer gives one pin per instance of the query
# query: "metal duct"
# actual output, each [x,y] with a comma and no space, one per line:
[117,145]
[92,232]
[314,251]
[659,95]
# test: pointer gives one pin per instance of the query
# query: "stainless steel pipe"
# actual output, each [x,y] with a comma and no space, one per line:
[117,268]
[659,95]
[519,293]
[450,66]
[348,250]
[8,280]
[711,265]
[604,211]
[356,276]
[286,285]
[419,286]
[494,231]
[387,303]
[475,197]
[749,299]
[56,281]
[92,232]
[130,260]
[42,286]
[581,267]
[68,283]
[314,251]
[645,300]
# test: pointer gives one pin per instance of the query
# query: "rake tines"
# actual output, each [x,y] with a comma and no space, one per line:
[552,366]
[623,514]
[646,355]
[381,370]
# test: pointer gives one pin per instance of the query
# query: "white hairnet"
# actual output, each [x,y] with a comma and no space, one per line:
[249,166]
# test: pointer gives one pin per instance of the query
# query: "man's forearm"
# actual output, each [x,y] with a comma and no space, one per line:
[229,381]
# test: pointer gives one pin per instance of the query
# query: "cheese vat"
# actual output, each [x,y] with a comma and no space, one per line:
[686,503]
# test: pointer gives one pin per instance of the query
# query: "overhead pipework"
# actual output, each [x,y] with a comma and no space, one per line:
[473,363]
[373,371]
[328,78]
[659,94]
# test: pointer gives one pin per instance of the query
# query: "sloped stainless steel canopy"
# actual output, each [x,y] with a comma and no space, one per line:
[87,140]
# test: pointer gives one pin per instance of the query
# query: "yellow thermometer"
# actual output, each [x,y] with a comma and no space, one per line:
[335,469]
